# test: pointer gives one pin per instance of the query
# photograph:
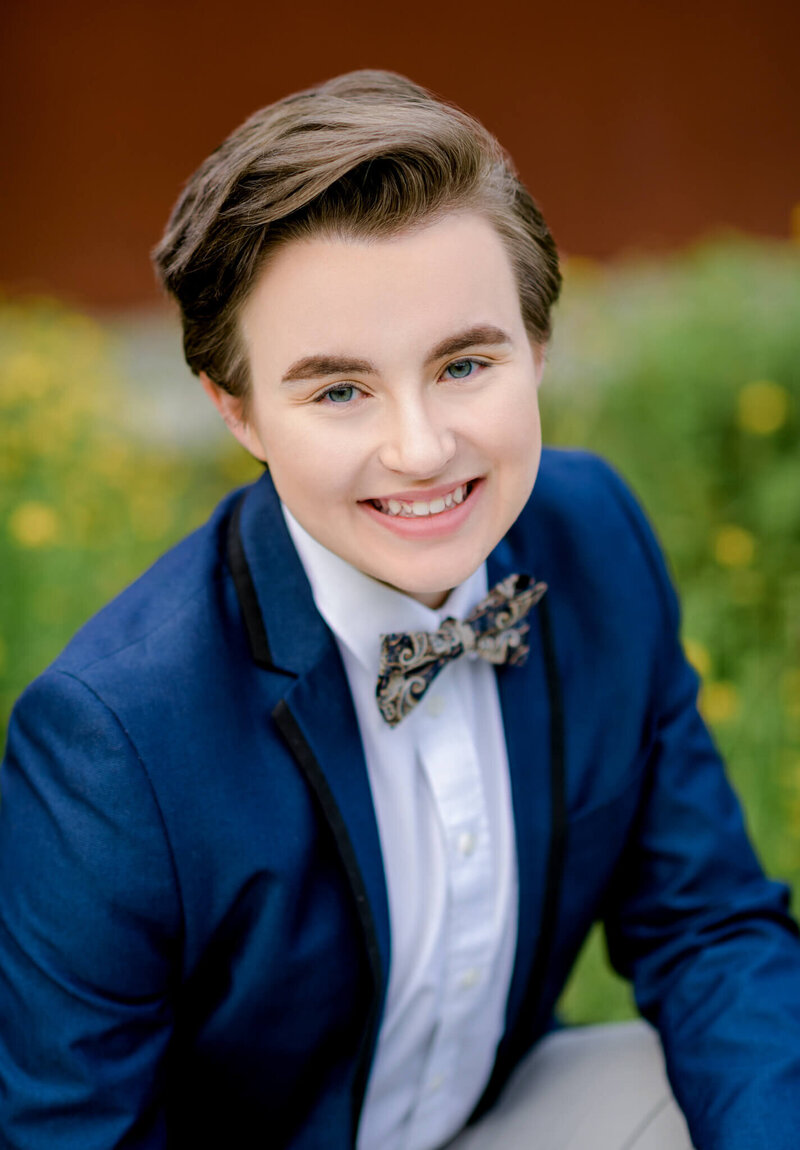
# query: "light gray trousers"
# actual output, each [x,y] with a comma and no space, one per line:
[587,1088]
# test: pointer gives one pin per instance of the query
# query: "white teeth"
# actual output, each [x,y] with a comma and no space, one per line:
[418,509]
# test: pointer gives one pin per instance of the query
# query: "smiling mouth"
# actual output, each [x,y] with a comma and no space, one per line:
[420,509]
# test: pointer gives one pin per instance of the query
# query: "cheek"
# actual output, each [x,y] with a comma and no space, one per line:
[309,460]
[511,432]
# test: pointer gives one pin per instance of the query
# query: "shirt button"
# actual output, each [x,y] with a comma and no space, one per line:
[466,843]
[469,978]
[436,1083]
[435,706]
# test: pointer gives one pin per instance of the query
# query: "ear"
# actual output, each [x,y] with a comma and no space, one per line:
[232,408]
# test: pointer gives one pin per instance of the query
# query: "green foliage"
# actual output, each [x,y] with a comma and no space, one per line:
[83,507]
[684,372]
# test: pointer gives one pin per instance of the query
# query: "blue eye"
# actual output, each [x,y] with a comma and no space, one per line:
[462,368]
[343,393]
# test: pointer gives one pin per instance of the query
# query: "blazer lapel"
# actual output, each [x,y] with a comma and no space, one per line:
[533,723]
[315,716]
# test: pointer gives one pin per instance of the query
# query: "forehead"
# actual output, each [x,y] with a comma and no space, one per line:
[381,297]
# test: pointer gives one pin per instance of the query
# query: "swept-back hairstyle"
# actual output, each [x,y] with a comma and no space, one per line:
[365,155]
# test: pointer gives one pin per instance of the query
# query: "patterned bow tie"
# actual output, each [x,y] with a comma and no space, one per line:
[495,630]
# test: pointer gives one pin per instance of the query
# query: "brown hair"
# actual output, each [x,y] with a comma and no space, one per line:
[366,154]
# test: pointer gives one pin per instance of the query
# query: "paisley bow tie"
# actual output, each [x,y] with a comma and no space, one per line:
[495,630]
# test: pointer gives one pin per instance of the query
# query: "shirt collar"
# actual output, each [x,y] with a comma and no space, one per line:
[359,609]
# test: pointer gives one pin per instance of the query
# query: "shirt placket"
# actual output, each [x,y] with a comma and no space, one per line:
[449,758]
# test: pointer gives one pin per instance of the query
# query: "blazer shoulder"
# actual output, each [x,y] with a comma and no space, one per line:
[168,605]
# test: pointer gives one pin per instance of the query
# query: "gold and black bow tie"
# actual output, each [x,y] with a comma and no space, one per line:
[495,630]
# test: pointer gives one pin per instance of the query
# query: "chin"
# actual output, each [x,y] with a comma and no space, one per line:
[432,591]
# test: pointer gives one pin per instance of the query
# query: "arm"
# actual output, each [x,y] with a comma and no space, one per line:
[89,918]
[707,939]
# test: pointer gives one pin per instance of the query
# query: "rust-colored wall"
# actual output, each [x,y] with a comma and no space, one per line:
[635,124]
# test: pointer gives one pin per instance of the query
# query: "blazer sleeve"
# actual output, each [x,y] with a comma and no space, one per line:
[89,923]
[707,940]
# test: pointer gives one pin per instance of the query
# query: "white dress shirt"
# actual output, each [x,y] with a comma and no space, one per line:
[441,790]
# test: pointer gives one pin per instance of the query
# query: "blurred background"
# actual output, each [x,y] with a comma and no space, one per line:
[662,141]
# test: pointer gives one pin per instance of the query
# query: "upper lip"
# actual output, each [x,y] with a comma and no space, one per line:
[422,495]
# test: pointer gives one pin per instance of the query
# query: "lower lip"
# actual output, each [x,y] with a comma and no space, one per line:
[427,526]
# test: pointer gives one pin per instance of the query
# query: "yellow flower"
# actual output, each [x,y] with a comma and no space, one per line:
[33,524]
[733,546]
[762,407]
[699,656]
[719,701]
[24,378]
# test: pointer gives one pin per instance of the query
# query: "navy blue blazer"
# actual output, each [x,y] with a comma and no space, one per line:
[194,934]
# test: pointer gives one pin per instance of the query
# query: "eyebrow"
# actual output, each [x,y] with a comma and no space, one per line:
[320,366]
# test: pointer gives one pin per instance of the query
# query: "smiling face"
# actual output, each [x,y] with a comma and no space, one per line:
[394,397]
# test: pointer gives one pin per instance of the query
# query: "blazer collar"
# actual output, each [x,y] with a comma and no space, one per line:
[285,630]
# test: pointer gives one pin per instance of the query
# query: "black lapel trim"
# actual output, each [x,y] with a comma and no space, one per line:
[246,591]
[558,812]
[305,757]
[514,1045]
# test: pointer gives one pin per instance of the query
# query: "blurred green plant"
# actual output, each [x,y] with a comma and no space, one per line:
[683,371]
[83,506]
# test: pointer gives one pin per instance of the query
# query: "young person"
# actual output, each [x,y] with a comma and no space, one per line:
[244,899]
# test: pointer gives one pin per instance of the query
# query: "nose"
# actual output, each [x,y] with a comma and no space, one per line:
[417,440]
